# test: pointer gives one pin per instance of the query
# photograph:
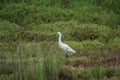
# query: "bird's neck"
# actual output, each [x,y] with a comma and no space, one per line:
[60,41]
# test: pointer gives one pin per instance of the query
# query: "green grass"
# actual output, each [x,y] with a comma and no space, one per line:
[43,60]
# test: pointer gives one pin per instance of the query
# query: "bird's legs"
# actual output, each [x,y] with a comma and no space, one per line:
[66,55]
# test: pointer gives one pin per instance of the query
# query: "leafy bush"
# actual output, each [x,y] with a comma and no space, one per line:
[96,15]
[72,31]
[112,5]
[86,45]
[8,31]
[16,12]
[92,32]
[24,14]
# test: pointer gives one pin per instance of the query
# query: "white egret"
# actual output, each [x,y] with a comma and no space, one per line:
[64,46]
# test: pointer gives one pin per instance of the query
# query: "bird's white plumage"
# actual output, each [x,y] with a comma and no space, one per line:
[64,46]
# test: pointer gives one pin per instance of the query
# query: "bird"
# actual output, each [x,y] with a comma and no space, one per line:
[64,46]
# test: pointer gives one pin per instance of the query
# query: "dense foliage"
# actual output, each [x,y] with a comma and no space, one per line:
[28,40]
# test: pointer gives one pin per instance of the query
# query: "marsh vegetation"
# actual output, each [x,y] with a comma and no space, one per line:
[29,45]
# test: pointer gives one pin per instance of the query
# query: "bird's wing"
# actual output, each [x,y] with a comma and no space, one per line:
[68,48]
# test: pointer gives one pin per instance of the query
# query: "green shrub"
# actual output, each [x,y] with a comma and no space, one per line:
[86,45]
[72,31]
[115,41]
[92,32]
[112,5]
[50,11]
[95,14]
[16,12]
[9,31]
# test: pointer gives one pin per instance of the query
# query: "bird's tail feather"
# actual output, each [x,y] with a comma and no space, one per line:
[73,51]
